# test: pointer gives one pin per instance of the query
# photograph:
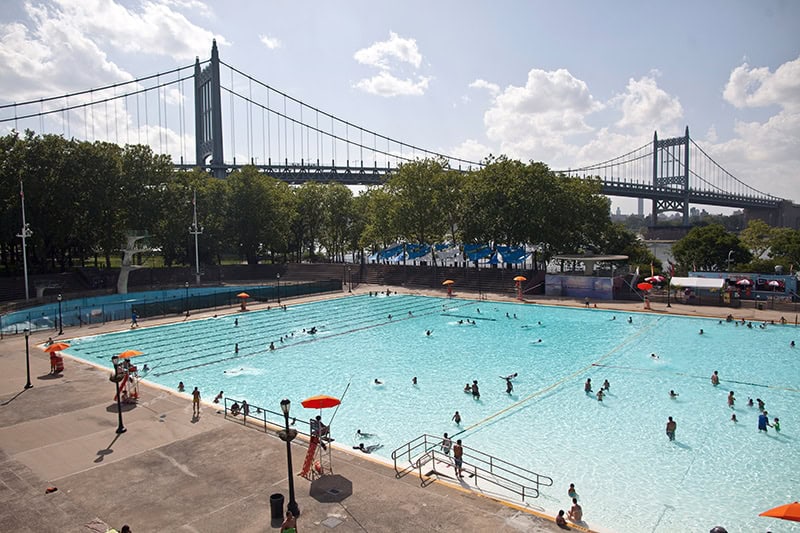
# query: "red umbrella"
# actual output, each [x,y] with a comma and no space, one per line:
[644,286]
[790,511]
[744,282]
[57,347]
[655,279]
[320,401]
[243,295]
[774,283]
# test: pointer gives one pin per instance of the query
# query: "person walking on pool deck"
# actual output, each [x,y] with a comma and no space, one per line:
[196,402]
[458,458]
[289,524]
[671,427]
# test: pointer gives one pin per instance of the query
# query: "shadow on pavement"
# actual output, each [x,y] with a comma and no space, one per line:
[331,489]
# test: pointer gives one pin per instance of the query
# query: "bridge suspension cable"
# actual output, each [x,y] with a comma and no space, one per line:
[307,128]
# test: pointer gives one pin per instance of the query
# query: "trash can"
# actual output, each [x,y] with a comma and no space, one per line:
[276,506]
[760,306]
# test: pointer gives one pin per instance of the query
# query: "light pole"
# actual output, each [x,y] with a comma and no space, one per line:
[25,233]
[186,285]
[195,230]
[349,280]
[730,253]
[60,318]
[288,435]
[116,378]
[278,275]
[27,360]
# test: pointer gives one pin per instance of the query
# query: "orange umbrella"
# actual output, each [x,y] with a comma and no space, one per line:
[520,278]
[448,282]
[644,286]
[127,354]
[790,511]
[57,347]
[320,401]
[243,295]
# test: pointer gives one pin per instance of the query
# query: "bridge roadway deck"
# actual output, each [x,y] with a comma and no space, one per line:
[168,473]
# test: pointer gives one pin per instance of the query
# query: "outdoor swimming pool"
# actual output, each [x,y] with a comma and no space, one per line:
[630,477]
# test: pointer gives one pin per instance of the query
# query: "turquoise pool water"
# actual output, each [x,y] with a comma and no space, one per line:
[630,477]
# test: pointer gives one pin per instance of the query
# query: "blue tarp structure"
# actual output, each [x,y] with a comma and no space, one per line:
[476,252]
[416,251]
[513,255]
[390,252]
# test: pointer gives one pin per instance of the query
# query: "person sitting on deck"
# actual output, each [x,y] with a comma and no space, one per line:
[235,408]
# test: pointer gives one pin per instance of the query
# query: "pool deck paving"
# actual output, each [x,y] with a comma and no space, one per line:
[172,472]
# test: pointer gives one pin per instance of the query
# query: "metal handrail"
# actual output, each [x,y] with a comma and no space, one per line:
[265,415]
[482,466]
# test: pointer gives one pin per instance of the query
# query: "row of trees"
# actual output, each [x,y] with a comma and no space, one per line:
[82,197]
[757,248]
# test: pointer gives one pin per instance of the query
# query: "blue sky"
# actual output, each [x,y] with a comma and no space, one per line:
[567,83]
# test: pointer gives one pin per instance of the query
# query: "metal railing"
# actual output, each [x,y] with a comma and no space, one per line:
[479,465]
[265,416]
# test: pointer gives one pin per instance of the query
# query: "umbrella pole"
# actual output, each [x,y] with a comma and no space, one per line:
[340,402]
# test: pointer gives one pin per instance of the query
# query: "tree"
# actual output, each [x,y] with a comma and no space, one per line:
[618,240]
[707,248]
[785,245]
[756,237]
[308,217]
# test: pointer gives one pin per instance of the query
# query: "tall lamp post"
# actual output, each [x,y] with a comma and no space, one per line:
[116,378]
[60,318]
[349,280]
[288,435]
[186,285]
[27,360]
[24,234]
[278,275]
[195,230]
[730,253]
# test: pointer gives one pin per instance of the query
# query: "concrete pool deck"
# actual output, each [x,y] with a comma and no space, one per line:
[170,473]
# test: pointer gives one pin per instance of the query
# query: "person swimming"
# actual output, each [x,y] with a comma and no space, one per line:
[364,435]
[673,394]
[368,449]
[378,382]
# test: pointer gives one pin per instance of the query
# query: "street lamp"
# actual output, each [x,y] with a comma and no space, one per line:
[278,275]
[195,230]
[60,318]
[288,435]
[116,378]
[730,253]
[24,234]
[27,360]
[186,285]
[349,280]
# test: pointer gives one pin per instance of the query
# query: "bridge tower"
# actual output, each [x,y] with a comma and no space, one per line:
[671,176]
[208,115]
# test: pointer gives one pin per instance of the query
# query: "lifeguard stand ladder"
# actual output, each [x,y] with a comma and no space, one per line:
[318,460]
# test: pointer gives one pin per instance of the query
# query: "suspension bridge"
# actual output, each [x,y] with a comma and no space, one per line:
[296,142]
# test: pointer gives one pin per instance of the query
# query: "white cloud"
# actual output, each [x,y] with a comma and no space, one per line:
[646,107]
[270,42]
[758,87]
[382,53]
[533,121]
[390,57]
[385,84]
[493,88]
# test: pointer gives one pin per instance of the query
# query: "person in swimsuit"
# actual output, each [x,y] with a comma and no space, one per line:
[671,427]
[457,418]
[458,458]
[447,443]
[289,524]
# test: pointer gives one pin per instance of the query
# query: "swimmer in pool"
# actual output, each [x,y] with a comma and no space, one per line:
[364,435]
[606,386]
[378,382]
[587,387]
[468,388]
[368,449]
[733,418]
[673,394]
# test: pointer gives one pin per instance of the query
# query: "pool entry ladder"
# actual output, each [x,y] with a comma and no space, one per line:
[426,455]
